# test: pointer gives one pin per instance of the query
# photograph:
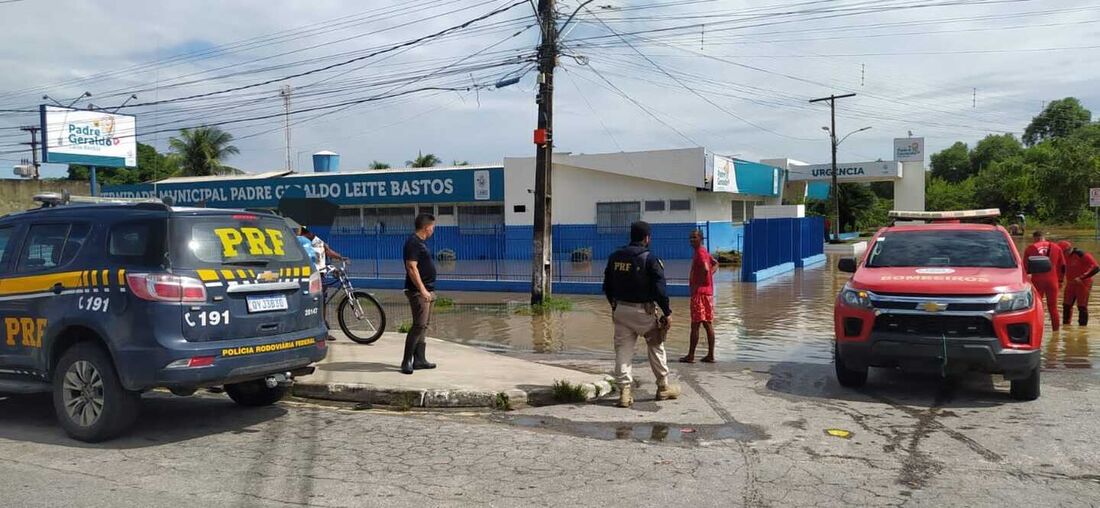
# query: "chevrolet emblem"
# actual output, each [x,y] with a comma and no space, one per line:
[268,276]
[932,307]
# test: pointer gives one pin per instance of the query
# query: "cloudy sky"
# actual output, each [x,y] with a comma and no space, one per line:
[734,76]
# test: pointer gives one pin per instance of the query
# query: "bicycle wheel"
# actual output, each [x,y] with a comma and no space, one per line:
[361,317]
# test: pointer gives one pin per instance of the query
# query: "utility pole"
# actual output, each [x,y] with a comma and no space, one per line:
[834,189]
[542,240]
[285,94]
[34,147]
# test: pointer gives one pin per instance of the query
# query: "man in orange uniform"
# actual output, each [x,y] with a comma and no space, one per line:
[1047,283]
[1080,268]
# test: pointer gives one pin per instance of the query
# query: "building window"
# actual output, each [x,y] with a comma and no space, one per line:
[679,205]
[446,210]
[480,219]
[743,211]
[655,206]
[519,208]
[430,210]
[348,221]
[617,217]
[389,219]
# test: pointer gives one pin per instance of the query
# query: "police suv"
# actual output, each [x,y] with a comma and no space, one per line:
[102,300]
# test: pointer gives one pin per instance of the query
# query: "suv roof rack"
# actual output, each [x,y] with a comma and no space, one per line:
[52,199]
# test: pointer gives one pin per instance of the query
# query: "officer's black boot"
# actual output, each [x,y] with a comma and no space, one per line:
[419,361]
[1083,316]
[410,351]
[1067,314]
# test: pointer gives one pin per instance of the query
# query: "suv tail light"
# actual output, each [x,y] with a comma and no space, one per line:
[315,283]
[162,287]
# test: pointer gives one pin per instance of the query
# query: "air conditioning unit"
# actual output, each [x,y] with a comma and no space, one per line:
[24,170]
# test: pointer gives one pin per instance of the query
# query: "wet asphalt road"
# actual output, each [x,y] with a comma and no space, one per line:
[750,434]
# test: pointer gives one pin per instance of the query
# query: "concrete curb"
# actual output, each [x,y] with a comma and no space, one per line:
[456,398]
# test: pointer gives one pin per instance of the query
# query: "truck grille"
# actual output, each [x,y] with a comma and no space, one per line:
[951,306]
[935,326]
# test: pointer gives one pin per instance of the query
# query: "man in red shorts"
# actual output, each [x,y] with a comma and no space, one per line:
[1080,269]
[1047,283]
[701,282]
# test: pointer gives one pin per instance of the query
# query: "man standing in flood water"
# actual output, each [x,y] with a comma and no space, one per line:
[1047,283]
[701,284]
[420,290]
[634,283]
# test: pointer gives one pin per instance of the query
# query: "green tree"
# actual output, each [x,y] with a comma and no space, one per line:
[423,160]
[942,195]
[1058,120]
[994,148]
[379,165]
[202,150]
[952,164]
[1009,185]
[1066,168]
[151,165]
[460,163]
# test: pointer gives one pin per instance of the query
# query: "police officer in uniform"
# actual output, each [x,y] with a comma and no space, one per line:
[634,282]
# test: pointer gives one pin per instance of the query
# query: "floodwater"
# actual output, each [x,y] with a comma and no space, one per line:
[788,318]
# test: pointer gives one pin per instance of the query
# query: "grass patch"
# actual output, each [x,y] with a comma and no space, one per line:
[404,401]
[502,402]
[444,303]
[405,327]
[730,257]
[550,304]
[566,392]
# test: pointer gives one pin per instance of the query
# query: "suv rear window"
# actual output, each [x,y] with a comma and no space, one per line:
[979,249]
[138,242]
[241,239]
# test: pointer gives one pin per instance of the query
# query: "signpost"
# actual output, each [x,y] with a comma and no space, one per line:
[94,138]
[1094,202]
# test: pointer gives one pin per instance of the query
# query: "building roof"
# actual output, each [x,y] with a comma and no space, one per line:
[220,178]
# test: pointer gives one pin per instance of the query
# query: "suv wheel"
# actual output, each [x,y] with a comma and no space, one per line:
[89,399]
[848,377]
[1026,388]
[256,393]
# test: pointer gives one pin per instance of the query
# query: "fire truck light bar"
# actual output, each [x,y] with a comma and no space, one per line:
[954,215]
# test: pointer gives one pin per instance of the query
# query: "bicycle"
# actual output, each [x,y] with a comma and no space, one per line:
[357,308]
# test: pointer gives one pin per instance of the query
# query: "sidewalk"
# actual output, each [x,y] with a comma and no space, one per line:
[465,377]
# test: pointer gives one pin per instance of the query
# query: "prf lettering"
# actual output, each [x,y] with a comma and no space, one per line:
[621,266]
[266,242]
[28,330]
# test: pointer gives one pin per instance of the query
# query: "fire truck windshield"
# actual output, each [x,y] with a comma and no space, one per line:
[978,249]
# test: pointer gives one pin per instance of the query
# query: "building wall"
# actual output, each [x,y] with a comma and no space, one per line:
[576,191]
[17,195]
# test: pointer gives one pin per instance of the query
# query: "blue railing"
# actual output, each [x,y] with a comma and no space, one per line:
[503,253]
[774,246]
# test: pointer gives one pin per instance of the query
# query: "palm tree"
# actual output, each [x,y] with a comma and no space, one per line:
[379,165]
[423,160]
[200,151]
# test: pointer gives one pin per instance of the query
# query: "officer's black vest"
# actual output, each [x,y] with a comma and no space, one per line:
[628,277]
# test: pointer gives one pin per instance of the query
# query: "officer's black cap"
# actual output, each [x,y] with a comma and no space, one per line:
[639,231]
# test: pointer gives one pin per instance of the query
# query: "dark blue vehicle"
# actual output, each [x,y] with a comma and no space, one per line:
[102,301]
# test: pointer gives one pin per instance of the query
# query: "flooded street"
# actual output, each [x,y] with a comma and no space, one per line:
[788,318]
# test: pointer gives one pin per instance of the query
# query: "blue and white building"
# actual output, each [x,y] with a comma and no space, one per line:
[484,213]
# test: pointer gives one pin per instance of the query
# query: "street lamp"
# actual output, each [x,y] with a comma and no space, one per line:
[835,189]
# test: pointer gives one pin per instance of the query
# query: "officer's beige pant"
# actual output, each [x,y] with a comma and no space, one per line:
[632,320]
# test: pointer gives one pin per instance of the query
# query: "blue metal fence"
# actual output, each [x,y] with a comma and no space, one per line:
[502,253]
[774,246]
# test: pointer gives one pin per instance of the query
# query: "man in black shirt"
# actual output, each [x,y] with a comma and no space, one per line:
[634,282]
[420,290]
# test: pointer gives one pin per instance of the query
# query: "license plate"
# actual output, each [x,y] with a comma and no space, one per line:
[267,303]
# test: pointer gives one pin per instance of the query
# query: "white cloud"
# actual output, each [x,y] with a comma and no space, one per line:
[921,82]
